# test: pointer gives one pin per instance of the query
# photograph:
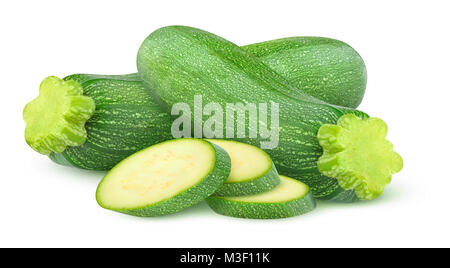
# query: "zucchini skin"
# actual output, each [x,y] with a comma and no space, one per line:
[125,121]
[176,63]
[325,68]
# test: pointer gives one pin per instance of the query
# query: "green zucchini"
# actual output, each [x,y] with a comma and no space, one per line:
[252,170]
[290,198]
[125,120]
[324,68]
[177,63]
[164,178]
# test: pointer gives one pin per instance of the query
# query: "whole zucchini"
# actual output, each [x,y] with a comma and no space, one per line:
[324,68]
[178,63]
[116,135]
[124,121]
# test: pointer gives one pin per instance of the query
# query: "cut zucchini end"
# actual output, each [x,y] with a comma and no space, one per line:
[357,154]
[56,118]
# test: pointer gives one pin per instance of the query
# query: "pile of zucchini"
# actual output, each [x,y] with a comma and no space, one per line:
[122,123]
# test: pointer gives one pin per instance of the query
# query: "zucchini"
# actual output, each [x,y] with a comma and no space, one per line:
[324,68]
[252,170]
[125,120]
[164,178]
[176,63]
[290,198]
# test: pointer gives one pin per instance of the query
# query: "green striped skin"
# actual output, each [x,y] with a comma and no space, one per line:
[206,187]
[327,69]
[179,62]
[263,210]
[260,184]
[125,121]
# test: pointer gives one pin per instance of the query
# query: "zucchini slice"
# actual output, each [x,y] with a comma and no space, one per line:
[164,178]
[290,198]
[252,170]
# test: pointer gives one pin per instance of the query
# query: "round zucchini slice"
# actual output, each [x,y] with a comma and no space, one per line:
[164,178]
[290,198]
[252,170]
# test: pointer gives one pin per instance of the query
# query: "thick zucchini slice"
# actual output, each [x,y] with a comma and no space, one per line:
[290,198]
[164,178]
[252,170]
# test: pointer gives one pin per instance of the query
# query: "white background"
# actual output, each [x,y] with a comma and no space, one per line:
[405,45]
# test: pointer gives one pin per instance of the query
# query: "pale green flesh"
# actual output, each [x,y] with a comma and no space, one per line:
[156,174]
[358,155]
[247,162]
[288,189]
[56,118]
